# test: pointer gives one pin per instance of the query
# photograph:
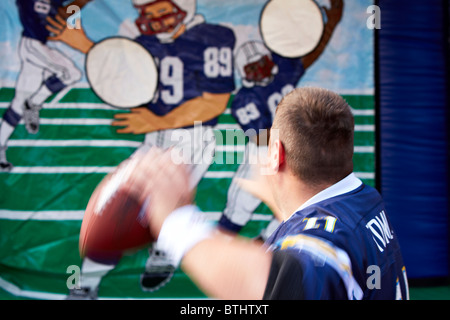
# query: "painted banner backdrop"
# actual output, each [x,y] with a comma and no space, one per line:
[72,111]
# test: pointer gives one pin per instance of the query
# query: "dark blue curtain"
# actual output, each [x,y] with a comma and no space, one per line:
[412,129]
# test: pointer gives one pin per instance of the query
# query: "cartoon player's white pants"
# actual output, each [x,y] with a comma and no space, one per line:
[44,71]
[241,204]
[192,146]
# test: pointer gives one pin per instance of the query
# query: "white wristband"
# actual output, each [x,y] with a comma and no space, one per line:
[183,229]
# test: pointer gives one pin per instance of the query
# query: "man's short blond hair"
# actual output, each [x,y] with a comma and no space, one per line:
[316,128]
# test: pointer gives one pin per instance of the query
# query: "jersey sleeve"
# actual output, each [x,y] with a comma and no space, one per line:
[324,271]
[285,277]
[297,275]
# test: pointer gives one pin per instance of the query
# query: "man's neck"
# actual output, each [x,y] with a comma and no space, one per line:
[298,193]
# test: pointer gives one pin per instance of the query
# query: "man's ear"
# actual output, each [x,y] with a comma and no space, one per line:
[277,156]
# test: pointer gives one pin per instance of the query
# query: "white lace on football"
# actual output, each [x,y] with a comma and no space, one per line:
[116,180]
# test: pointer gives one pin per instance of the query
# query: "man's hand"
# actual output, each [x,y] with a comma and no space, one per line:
[165,184]
[258,186]
[236,269]
[75,38]
[138,121]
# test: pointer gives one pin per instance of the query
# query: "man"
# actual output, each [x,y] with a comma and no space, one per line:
[334,229]
[266,78]
[195,66]
[44,70]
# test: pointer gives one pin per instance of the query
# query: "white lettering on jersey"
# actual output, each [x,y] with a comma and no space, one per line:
[171,75]
[381,233]
[218,62]
[275,98]
[315,223]
[248,113]
[42,6]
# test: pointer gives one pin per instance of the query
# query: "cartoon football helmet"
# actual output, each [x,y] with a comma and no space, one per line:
[163,16]
[255,65]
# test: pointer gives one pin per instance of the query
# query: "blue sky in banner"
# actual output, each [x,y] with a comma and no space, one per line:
[346,65]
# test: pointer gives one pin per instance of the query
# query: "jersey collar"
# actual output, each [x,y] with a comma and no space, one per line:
[349,183]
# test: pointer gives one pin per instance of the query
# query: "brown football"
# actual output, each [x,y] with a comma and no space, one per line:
[114,221]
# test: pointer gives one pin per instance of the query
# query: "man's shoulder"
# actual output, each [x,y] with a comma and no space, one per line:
[336,219]
[357,202]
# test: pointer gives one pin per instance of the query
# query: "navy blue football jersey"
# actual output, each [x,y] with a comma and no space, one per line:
[200,60]
[253,108]
[33,14]
[343,247]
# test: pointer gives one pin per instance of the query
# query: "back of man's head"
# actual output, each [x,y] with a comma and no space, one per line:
[316,129]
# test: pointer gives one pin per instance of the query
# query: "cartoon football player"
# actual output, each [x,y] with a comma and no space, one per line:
[266,78]
[196,78]
[195,66]
[195,61]
[44,70]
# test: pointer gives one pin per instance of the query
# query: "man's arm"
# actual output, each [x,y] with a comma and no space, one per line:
[334,15]
[203,108]
[228,269]
[259,188]
[221,267]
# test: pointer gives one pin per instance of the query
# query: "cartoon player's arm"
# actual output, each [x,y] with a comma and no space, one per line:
[204,108]
[75,38]
[334,15]
[213,101]
[141,120]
